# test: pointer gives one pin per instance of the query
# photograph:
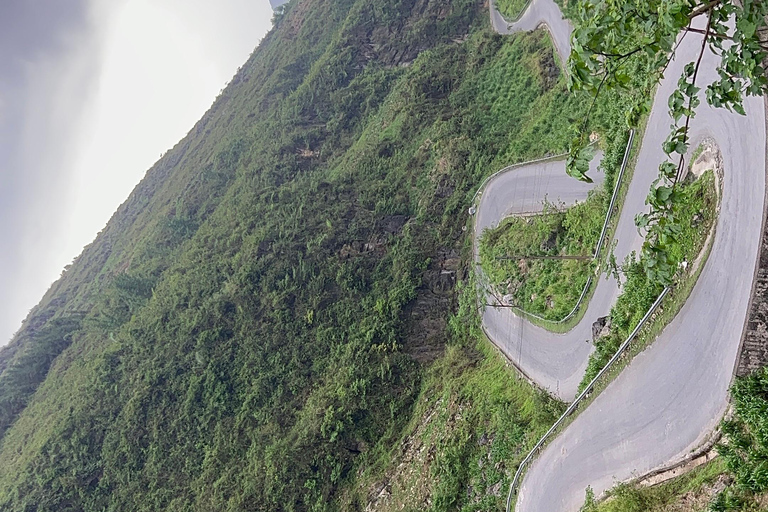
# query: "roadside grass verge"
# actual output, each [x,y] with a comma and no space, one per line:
[528,259]
[698,204]
[562,327]
[512,9]
[688,493]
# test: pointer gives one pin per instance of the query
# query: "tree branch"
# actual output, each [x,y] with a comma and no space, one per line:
[707,33]
[672,53]
[704,8]
[519,257]
[681,162]
[594,99]
[615,55]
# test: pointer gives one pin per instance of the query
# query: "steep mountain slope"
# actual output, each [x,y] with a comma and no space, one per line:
[251,329]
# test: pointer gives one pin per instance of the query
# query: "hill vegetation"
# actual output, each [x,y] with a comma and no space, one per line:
[512,9]
[527,258]
[273,310]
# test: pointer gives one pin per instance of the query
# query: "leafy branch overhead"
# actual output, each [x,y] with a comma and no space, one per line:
[611,33]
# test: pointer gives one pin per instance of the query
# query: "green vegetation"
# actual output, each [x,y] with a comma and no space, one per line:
[688,493]
[263,324]
[520,256]
[265,317]
[697,204]
[745,448]
[512,9]
[473,422]
[20,379]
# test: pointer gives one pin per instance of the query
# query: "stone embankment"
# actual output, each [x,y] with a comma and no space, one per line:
[754,345]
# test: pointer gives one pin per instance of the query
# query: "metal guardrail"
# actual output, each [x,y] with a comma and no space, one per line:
[572,407]
[580,398]
[616,188]
[603,233]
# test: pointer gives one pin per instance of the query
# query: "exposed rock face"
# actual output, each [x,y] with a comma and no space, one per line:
[425,317]
[495,489]
[707,160]
[550,243]
[601,327]
[277,3]
[392,224]
[548,69]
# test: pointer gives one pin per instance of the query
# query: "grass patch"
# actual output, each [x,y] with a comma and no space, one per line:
[663,497]
[570,323]
[525,257]
[512,9]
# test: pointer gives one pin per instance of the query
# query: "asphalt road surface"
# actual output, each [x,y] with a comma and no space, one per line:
[555,362]
[539,13]
[671,397]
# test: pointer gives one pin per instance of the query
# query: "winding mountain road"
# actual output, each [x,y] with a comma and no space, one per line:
[671,396]
[538,14]
[555,362]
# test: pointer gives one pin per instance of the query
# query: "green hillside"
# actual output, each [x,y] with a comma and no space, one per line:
[270,316]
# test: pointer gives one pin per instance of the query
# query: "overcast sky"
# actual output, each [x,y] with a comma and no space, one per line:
[91,93]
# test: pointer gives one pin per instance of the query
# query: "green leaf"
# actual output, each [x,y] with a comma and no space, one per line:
[663,193]
[746,27]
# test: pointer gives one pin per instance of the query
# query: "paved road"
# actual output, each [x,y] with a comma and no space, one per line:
[556,362]
[539,12]
[672,395]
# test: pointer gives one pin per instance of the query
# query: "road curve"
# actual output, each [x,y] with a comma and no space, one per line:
[555,362]
[539,13]
[671,396]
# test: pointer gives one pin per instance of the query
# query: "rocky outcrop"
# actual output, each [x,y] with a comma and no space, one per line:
[601,327]
[425,317]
